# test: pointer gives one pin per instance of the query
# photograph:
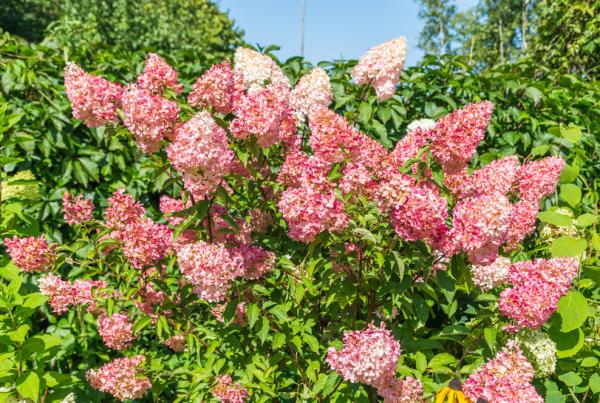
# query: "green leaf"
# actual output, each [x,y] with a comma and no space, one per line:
[565,246]
[595,383]
[28,385]
[19,335]
[32,346]
[364,113]
[311,341]
[570,378]
[567,344]
[252,314]
[263,332]
[585,220]
[141,323]
[573,309]
[420,361]
[588,362]
[571,133]
[571,194]
[34,300]
[553,218]
[569,174]
[440,360]
[534,94]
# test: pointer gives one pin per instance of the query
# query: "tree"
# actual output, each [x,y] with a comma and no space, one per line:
[436,36]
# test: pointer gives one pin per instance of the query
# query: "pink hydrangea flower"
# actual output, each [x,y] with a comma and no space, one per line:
[201,185]
[122,378]
[260,220]
[214,88]
[170,205]
[521,223]
[63,294]
[31,254]
[505,379]
[93,99]
[537,287]
[122,210]
[357,179]
[77,210]
[309,212]
[334,139]
[256,70]
[480,226]
[380,67]
[492,275]
[538,179]
[149,117]
[176,343]
[498,176]
[421,215]
[158,76]
[228,392]
[211,268]
[256,261]
[116,331]
[262,114]
[369,356]
[300,170]
[457,135]
[406,390]
[201,145]
[145,242]
[312,89]
[409,146]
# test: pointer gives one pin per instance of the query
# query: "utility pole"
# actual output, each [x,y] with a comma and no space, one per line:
[302,28]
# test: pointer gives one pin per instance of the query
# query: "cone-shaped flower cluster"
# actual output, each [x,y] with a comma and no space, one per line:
[228,392]
[31,254]
[116,331]
[77,210]
[64,294]
[506,378]
[122,378]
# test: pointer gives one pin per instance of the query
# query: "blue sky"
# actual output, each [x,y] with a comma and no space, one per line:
[333,28]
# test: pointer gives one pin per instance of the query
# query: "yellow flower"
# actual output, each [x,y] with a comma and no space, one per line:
[452,396]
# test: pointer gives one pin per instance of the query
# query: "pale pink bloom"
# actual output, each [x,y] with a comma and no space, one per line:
[170,205]
[63,294]
[480,226]
[158,76]
[406,390]
[263,114]
[457,135]
[200,145]
[211,268]
[257,70]
[492,275]
[421,216]
[381,66]
[122,210]
[176,343]
[538,179]
[149,117]
[228,392]
[505,379]
[334,139]
[122,378]
[498,176]
[145,242]
[256,261]
[299,170]
[409,146]
[369,356]
[538,285]
[85,292]
[393,189]
[201,185]
[214,88]
[93,99]
[116,331]
[521,223]
[31,254]
[77,210]
[312,89]
[357,179]
[309,212]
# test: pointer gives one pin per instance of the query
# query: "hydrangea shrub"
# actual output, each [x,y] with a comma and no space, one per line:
[295,256]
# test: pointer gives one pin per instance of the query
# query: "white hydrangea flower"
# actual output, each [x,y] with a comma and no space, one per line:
[540,351]
[425,124]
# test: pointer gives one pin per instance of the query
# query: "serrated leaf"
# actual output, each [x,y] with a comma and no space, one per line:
[573,309]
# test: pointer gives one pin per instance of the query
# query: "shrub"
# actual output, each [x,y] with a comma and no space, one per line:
[296,257]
